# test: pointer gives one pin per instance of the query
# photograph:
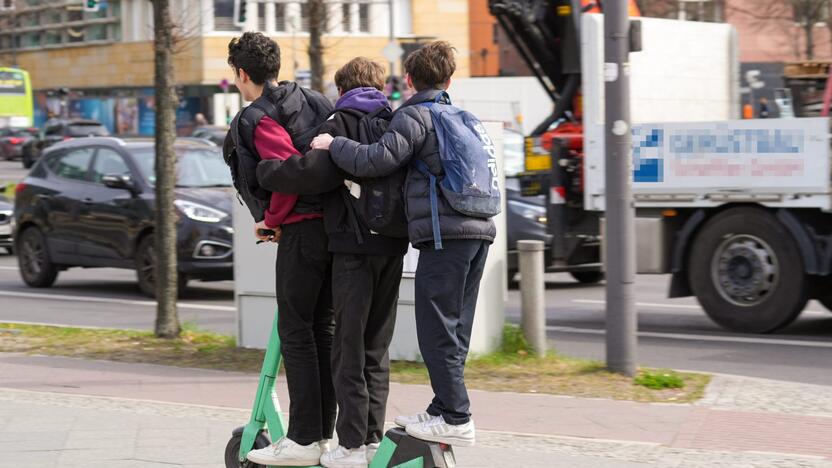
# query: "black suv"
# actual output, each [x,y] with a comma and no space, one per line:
[90,202]
[56,131]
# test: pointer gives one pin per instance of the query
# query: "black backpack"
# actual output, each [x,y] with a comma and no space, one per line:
[300,114]
[380,204]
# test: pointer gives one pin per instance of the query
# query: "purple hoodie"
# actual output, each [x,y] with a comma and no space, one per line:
[363,99]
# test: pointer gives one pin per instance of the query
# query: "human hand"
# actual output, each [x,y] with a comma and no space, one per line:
[264,233]
[322,141]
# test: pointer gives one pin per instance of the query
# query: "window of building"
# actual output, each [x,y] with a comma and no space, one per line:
[364,17]
[280,17]
[304,17]
[53,37]
[224,15]
[346,17]
[60,24]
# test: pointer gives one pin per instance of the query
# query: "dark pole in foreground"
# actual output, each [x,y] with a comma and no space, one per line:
[620,213]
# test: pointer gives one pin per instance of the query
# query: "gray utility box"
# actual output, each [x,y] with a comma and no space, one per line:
[254,270]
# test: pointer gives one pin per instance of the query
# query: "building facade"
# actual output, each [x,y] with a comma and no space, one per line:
[100,64]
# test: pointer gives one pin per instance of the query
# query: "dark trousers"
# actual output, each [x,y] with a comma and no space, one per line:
[305,327]
[365,290]
[447,283]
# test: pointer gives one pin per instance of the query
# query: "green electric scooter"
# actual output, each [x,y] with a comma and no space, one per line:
[397,449]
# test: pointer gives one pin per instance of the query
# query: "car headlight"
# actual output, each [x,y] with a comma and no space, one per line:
[199,212]
[6,216]
[529,211]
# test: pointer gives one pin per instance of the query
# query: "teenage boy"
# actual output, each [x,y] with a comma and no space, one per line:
[447,280]
[366,270]
[279,114]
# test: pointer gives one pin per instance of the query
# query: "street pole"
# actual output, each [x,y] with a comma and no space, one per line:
[620,212]
[392,34]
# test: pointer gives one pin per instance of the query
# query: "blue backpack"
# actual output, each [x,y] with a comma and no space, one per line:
[471,184]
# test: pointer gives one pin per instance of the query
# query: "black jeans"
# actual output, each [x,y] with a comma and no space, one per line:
[305,327]
[365,289]
[447,284]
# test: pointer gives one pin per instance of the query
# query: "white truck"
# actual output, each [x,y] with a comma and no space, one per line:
[738,211]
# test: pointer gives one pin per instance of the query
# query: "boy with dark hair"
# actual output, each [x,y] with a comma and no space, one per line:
[367,266]
[451,264]
[275,126]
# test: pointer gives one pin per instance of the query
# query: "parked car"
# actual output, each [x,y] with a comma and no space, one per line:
[57,130]
[212,133]
[89,202]
[12,141]
[6,210]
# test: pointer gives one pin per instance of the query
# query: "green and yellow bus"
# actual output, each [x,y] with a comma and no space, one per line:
[16,104]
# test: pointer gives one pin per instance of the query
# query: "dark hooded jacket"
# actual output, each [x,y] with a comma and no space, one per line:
[314,173]
[411,136]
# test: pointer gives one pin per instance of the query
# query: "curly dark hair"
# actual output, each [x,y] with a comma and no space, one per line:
[257,54]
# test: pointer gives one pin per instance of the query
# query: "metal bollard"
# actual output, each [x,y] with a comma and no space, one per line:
[533,313]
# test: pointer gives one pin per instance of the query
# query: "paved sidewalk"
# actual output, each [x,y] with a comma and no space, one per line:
[71,412]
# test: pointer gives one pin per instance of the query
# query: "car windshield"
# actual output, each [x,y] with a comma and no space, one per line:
[16,132]
[90,129]
[196,167]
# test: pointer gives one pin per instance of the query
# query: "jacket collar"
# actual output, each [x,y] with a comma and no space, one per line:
[425,95]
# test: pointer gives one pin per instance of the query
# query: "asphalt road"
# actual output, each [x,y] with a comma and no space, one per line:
[673,333]
[11,172]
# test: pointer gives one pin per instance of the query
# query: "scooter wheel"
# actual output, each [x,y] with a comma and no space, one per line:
[232,451]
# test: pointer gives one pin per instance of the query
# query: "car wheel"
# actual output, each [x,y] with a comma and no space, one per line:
[747,273]
[588,277]
[36,268]
[26,159]
[146,269]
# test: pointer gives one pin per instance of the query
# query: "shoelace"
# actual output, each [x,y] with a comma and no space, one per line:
[436,421]
[280,445]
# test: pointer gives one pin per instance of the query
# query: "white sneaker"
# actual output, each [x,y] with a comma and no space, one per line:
[324,444]
[406,420]
[343,457]
[437,430]
[371,451]
[286,452]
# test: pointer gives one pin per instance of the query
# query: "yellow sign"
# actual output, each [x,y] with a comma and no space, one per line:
[537,157]
[564,10]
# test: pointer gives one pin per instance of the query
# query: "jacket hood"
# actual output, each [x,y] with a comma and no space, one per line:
[363,99]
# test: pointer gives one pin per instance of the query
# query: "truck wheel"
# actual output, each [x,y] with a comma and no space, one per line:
[747,273]
[588,277]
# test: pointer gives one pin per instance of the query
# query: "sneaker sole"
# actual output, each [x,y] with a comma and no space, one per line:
[453,441]
[272,462]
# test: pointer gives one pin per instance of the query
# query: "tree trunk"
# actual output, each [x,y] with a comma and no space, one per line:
[317,27]
[167,320]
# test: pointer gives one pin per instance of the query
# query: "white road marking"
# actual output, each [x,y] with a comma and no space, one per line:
[106,300]
[660,305]
[691,337]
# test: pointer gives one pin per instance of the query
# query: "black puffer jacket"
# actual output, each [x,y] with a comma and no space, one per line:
[411,135]
[298,110]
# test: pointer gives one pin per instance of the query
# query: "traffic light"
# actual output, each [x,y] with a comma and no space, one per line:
[240,13]
[91,5]
[394,88]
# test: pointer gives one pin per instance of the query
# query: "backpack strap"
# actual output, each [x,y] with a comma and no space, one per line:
[434,203]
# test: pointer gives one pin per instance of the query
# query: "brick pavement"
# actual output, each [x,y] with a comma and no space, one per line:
[741,422]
